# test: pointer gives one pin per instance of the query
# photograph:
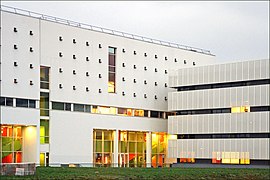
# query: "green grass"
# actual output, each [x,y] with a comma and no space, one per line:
[144,173]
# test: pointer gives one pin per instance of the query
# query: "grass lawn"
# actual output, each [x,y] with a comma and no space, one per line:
[144,173]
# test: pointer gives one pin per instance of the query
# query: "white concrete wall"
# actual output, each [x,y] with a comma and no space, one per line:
[22,56]
[72,133]
[51,46]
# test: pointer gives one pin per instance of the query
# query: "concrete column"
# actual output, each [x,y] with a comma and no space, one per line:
[115,149]
[148,149]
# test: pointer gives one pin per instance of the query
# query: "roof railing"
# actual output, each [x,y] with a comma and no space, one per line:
[102,30]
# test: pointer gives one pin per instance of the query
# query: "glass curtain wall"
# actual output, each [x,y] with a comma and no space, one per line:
[159,145]
[103,147]
[132,149]
[11,144]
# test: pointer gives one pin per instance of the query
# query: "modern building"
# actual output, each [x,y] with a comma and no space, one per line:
[76,94]
[222,113]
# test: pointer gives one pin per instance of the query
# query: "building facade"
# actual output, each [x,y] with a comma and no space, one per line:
[222,113]
[76,94]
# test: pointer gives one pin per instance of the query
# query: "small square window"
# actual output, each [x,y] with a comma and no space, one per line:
[32,104]
[9,101]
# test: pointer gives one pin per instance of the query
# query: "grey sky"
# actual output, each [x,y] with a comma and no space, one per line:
[230,30]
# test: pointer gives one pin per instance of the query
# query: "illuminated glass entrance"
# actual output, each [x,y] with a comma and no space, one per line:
[132,149]
[159,145]
[103,147]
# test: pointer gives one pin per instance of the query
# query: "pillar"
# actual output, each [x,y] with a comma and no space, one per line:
[148,149]
[115,148]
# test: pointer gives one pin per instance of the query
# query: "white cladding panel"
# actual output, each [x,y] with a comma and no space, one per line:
[255,122]
[220,73]
[220,98]
[72,133]
[203,148]
[22,56]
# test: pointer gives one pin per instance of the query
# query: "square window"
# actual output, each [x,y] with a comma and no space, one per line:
[32,104]
[9,101]
[87,108]
[79,107]
[67,107]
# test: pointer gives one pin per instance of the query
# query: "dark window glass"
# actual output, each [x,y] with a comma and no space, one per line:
[32,104]
[154,114]
[21,103]
[112,68]
[223,136]
[224,85]
[259,108]
[111,59]
[44,85]
[57,106]
[44,74]
[44,112]
[9,101]
[79,107]
[145,113]
[2,101]
[44,100]
[112,77]
[87,108]
[67,107]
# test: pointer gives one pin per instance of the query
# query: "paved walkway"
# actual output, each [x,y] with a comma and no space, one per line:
[189,165]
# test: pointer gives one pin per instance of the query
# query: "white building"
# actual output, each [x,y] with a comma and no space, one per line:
[72,93]
[222,113]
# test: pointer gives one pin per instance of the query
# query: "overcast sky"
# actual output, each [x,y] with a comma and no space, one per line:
[233,31]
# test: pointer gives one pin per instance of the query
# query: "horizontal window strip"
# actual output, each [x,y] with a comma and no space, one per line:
[223,85]
[95,109]
[19,102]
[220,110]
[223,136]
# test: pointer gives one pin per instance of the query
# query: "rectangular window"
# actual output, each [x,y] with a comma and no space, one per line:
[11,144]
[44,77]
[79,107]
[32,104]
[44,104]
[9,101]
[94,109]
[111,68]
[44,131]
[21,102]
[67,107]
[87,108]
[107,110]
[57,106]
[124,111]
[154,114]
[138,112]
[103,147]
[2,101]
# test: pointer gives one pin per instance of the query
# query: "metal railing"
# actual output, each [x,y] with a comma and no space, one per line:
[102,30]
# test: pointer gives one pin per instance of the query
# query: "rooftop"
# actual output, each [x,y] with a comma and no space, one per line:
[102,30]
